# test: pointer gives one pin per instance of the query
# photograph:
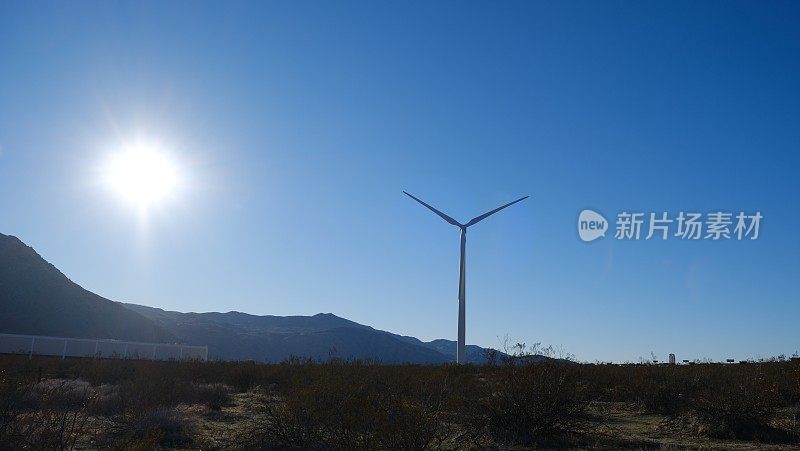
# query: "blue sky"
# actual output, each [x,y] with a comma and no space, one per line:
[295,127]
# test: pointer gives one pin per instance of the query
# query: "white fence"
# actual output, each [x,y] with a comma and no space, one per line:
[106,348]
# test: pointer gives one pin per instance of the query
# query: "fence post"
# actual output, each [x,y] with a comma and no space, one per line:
[33,341]
[96,346]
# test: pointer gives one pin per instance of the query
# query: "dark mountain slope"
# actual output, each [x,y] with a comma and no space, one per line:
[37,299]
[236,335]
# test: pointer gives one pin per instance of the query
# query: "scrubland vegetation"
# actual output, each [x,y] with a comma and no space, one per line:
[126,404]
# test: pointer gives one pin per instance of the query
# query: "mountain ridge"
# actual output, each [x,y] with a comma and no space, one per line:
[176,321]
[38,299]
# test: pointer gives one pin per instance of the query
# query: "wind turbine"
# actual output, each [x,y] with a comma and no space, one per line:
[460,355]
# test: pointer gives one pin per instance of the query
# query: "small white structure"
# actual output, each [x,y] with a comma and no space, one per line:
[91,347]
[672,359]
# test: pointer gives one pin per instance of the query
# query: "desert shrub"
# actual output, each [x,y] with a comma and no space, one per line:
[12,394]
[346,407]
[789,387]
[345,404]
[278,424]
[144,394]
[107,401]
[47,415]
[99,371]
[243,376]
[213,396]
[740,408]
[533,403]
[164,426]
[59,394]
[662,390]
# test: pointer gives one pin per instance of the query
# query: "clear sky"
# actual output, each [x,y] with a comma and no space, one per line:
[295,126]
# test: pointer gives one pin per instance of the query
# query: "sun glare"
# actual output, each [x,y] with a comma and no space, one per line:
[142,174]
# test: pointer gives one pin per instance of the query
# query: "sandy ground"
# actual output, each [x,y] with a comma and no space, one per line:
[624,425]
[621,426]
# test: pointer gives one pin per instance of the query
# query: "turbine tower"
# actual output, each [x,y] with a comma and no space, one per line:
[460,355]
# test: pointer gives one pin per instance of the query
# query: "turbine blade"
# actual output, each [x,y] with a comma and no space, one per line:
[442,215]
[487,214]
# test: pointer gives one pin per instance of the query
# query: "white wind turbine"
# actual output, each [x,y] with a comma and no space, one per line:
[460,356]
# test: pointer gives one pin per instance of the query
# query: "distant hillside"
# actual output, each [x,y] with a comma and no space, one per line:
[37,299]
[236,335]
[474,353]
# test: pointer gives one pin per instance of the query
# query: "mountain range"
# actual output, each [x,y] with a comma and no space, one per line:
[38,299]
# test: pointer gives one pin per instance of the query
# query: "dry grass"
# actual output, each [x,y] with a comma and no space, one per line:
[125,404]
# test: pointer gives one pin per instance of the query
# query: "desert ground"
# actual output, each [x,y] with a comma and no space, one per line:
[50,403]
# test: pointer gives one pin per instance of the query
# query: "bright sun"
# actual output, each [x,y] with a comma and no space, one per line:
[142,174]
